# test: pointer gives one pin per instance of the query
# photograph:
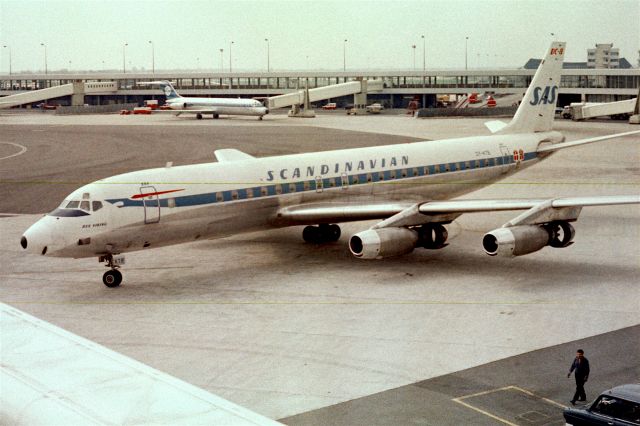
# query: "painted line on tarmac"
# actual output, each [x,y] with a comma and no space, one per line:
[460,399]
[23,149]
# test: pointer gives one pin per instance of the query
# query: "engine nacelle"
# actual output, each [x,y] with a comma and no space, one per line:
[383,242]
[515,241]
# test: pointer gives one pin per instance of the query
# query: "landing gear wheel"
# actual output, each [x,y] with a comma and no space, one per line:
[216,116]
[433,236]
[199,116]
[311,234]
[260,118]
[323,233]
[333,233]
[112,278]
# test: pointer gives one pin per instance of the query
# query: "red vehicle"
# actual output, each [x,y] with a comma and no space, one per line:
[330,105]
[44,106]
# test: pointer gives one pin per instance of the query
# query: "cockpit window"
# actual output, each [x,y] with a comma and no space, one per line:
[75,208]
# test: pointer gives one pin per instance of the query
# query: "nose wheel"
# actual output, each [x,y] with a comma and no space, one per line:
[112,278]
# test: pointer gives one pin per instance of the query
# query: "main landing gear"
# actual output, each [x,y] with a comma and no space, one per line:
[323,233]
[113,277]
[199,116]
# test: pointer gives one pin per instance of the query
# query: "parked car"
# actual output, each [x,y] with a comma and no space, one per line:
[616,406]
[375,108]
[330,105]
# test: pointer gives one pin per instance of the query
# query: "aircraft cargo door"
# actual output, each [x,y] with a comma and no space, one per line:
[151,204]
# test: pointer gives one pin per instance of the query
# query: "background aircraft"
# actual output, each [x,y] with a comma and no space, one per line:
[214,106]
[240,193]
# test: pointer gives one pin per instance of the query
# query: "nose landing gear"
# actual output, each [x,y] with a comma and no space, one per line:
[113,277]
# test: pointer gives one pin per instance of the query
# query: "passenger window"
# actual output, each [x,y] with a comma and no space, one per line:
[84,205]
[73,205]
[96,205]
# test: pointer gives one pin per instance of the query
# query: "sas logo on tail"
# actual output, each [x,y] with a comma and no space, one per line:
[546,96]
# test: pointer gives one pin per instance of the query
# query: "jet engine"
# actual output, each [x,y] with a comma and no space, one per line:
[515,241]
[383,242]
[525,239]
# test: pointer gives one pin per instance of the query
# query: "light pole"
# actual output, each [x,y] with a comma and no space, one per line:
[424,55]
[344,55]
[230,58]
[153,58]
[45,57]
[9,47]
[221,60]
[413,47]
[124,61]
[198,61]
[466,39]
[268,65]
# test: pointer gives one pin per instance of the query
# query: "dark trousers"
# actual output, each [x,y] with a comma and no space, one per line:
[580,395]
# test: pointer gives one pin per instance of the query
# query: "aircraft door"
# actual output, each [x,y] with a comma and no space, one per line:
[507,164]
[151,204]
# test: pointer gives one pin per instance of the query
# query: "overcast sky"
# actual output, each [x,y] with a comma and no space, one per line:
[84,34]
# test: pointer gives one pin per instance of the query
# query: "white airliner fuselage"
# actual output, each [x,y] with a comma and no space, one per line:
[404,185]
[213,106]
[225,198]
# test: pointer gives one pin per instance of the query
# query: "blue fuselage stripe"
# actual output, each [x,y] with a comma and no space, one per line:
[327,183]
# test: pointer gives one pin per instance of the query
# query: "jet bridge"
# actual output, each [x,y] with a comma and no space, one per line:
[77,90]
[620,108]
[360,88]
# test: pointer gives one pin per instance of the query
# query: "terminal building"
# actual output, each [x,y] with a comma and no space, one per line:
[399,87]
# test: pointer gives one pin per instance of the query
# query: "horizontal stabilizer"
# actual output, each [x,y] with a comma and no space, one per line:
[495,125]
[226,155]
[555,147]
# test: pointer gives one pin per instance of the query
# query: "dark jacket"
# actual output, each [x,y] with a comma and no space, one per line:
[582,368]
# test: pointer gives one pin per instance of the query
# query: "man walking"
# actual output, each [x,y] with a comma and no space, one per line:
[581,366]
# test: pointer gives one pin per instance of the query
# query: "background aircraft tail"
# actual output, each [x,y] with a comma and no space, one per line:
[537,109]
[168,90]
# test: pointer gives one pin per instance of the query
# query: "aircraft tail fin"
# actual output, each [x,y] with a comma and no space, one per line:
[169,91]
[537,109]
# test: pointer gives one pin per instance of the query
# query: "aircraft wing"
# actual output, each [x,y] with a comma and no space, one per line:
[557,146]
[411,214]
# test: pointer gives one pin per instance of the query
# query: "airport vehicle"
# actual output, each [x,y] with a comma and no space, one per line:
[617,406]
[214,106]
[329,106]
[240,193]
[374,108]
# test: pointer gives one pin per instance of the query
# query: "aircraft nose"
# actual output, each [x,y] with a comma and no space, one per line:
[37,239]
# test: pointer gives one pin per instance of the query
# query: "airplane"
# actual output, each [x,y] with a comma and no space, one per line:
[410,187]
[214,106]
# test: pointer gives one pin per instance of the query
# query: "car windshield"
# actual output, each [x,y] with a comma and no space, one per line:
[617,408]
